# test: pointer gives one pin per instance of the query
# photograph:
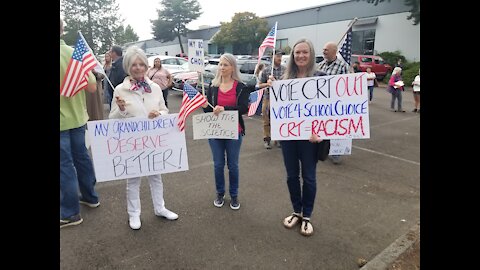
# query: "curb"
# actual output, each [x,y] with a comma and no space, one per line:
[392,252]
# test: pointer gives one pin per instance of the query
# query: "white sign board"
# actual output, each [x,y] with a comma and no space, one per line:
[134,147]
[196,59]
[332,106]
[340,147]
[209,126]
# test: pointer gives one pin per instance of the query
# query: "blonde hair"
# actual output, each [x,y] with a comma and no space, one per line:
[259,68]
[292,69]
[235,74]
[131,55]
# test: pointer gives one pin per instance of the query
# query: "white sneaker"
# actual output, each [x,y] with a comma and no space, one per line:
[167,214]
[134,223]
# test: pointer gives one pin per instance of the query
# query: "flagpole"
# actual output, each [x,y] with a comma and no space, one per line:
[274,41]
[350,25]
[98,62]
[203,88]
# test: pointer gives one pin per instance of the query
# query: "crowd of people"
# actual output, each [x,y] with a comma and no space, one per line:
[133,90]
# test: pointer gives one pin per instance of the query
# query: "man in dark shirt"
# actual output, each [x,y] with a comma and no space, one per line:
[332,65]
[117,74]
[278,71]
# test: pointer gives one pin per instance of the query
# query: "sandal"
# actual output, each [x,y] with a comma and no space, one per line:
[307,228]
[292,220]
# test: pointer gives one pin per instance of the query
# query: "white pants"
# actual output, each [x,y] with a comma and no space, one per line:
[133,194]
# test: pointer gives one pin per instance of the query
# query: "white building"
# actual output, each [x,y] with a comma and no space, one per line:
[379,28]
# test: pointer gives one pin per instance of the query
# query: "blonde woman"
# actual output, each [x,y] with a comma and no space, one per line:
[227,93]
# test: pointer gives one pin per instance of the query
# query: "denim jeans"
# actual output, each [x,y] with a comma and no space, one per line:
[370,91]
[76,172]
[397,94]
[232,148]
[296,155]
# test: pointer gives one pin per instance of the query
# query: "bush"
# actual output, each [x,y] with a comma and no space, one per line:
[409,72]
[391,58]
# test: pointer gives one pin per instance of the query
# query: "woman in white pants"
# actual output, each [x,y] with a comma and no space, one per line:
[138,96]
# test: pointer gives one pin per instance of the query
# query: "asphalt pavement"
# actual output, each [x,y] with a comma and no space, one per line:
[362,207]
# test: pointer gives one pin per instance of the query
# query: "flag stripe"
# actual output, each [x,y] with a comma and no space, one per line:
[192,99]
[256,98]
[269,41]
[80,64]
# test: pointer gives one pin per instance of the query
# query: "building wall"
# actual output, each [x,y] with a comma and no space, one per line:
[392,32]
[328,23]
[395,32]
[171,49]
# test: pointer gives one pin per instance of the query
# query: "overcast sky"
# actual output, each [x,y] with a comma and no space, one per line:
[138,13]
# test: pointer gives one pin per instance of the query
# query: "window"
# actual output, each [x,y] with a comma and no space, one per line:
[366,60]
[281,43]
[363,42]
[171,61]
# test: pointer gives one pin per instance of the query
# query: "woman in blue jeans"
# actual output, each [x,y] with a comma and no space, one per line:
[227,92]
[301,153]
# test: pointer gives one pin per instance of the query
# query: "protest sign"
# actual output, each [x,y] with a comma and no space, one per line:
[134,147]
[340,147]
[209,126]
[333,107]
[196,59]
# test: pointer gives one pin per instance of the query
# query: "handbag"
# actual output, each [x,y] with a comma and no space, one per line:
[375,83]
[323,149]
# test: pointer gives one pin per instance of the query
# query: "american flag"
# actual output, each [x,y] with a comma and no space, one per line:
[192,99]
[254,100]
[81,63]
[346,47]
[269,41]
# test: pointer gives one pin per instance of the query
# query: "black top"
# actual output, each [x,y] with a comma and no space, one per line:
[241,104]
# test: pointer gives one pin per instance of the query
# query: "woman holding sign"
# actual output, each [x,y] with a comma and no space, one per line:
[227,92]
[138,96]
[301,153]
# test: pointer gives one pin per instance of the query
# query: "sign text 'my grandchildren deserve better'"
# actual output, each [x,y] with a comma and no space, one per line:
[134,147]
[333,107]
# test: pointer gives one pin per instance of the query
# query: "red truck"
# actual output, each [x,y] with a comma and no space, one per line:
[375,62]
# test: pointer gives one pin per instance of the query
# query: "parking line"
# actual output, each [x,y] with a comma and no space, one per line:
[392,122]
[386,155]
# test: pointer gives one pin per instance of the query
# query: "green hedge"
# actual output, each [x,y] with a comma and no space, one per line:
[409,71]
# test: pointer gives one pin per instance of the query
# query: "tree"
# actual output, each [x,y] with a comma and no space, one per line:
[414,11]
[246,32]
[98,20]
[173,18]
[125,36]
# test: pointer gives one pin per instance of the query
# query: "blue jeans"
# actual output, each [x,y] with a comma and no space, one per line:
[304,154]
[76,172]
[232,148]
[370,90]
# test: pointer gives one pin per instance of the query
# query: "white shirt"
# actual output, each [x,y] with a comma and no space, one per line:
[416,84]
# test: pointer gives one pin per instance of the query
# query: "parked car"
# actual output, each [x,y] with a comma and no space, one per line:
[246,68]
[171,63]
[180,78]
[375,62]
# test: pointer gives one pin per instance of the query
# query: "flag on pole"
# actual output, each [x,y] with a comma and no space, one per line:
[345,51]
[268,42]
[254,100]
[192,99]
[98,68]
[81,63]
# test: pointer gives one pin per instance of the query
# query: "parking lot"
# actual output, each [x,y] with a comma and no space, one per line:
[361,207]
